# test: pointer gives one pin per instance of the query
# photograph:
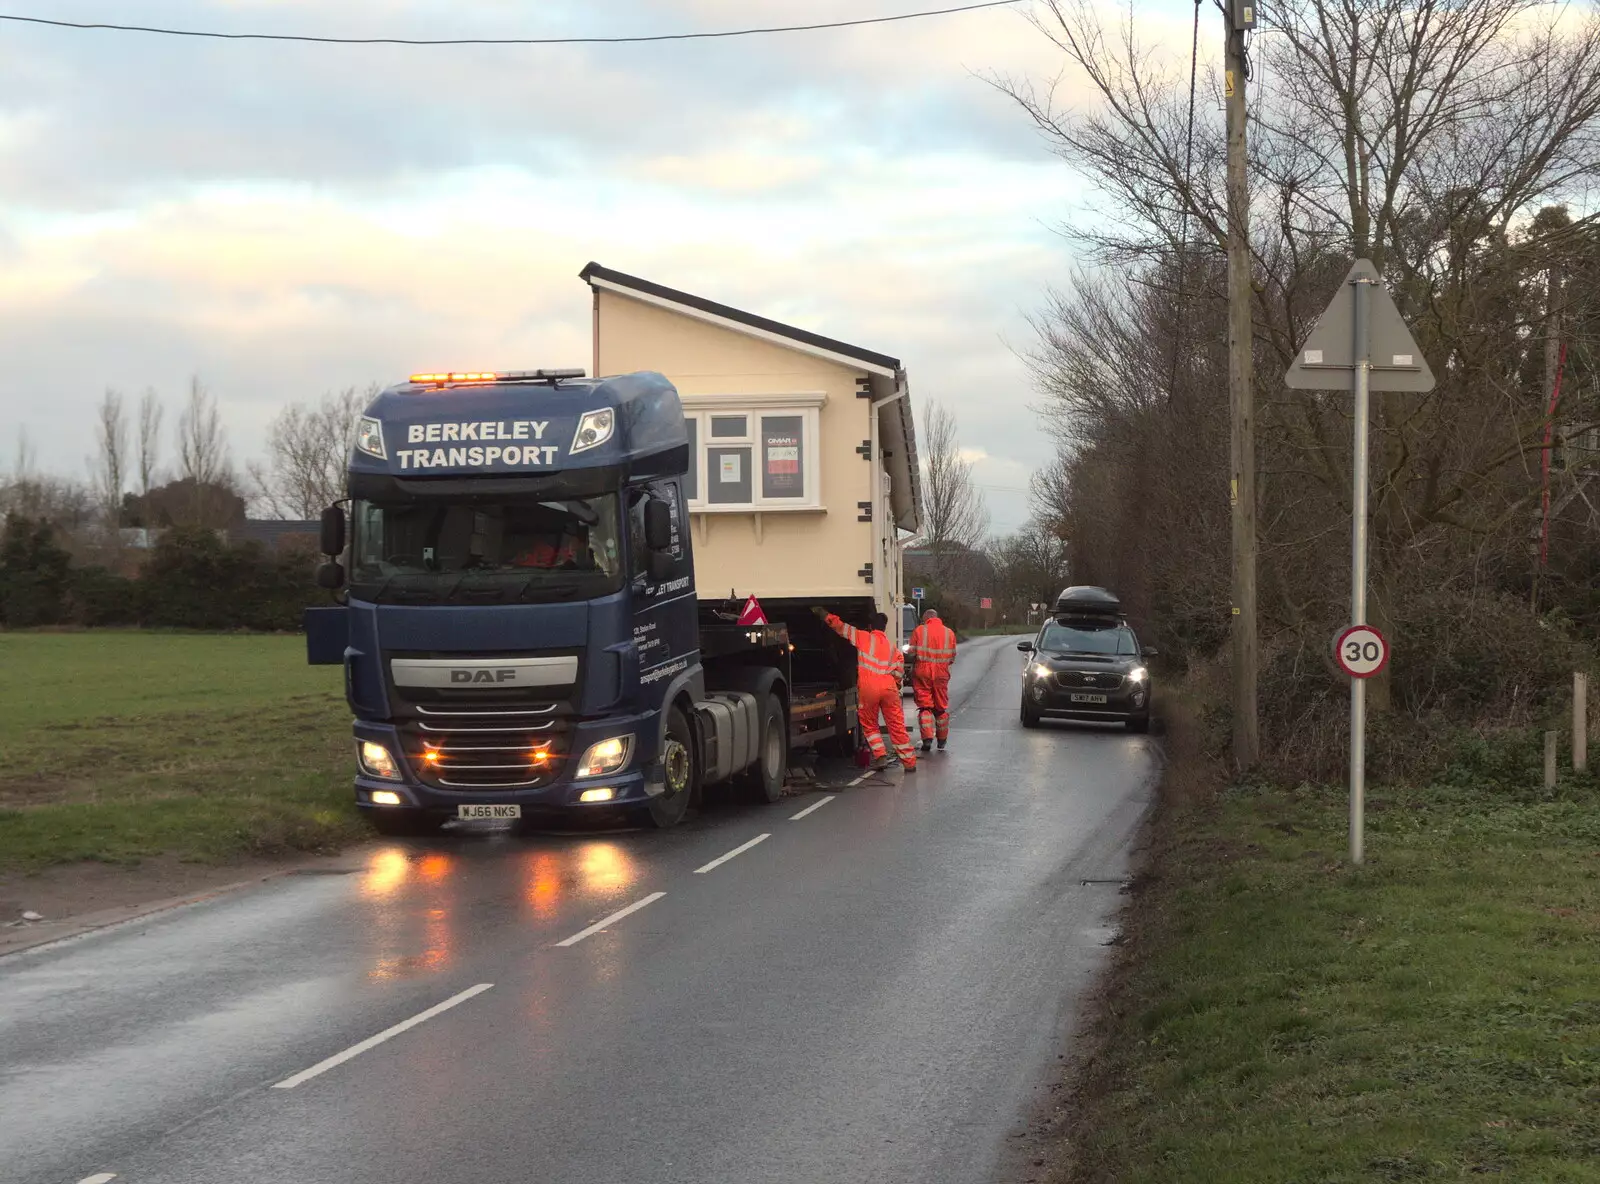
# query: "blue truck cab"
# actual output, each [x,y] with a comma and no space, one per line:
[517,616]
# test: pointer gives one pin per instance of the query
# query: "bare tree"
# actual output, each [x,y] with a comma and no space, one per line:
[954,518]
[26,458]
[1426,134]
[203,460]
[150,415]
[109,465]
[308,451]
[1030,568]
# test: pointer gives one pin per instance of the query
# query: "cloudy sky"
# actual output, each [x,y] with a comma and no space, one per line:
[287,219]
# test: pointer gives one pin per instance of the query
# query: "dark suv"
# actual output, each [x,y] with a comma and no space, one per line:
[1086,666]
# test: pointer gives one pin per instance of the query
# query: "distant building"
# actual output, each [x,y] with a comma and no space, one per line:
[277,534]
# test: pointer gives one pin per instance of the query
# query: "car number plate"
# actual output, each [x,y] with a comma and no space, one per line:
[488,811]
[1088,698]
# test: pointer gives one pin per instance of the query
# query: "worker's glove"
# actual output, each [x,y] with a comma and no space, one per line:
[819,612]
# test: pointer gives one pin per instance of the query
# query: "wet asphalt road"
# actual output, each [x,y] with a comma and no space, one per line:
[876,991]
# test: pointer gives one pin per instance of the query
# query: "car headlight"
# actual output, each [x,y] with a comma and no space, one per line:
[594,429]
[1138,674]
[378,761]
[369,437]
[605,757]
[1040,670]
[905,647]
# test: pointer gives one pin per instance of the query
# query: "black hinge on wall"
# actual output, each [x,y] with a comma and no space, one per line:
[863,388]
[866,511]
[865,450]
[866,573]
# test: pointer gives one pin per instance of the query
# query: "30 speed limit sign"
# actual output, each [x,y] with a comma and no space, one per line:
[1361,651]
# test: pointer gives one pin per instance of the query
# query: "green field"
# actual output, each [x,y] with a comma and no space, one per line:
[1433,1015]
[124,744]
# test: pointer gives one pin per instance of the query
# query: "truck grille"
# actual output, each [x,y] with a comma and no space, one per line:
[466,748]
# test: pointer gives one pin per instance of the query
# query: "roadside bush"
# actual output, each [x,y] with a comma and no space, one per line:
[1483,657]
[34,574]
[97,597]
[193,580]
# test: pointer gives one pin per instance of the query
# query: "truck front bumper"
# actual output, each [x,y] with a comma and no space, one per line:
[631,785]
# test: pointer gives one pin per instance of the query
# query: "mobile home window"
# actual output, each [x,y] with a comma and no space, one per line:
[761,459]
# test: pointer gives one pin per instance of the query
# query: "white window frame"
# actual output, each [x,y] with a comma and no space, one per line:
[807,406]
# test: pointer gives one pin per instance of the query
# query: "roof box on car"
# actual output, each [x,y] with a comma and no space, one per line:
[1085,601]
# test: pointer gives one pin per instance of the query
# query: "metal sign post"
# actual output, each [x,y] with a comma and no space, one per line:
[1360,324]
[1358,565]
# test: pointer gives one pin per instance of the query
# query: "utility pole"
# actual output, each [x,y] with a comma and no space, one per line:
[1241,16]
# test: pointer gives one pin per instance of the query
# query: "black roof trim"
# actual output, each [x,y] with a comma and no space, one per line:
[595,271]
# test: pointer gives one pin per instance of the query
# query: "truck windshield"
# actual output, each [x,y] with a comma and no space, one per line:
[1073,639]
[485,553]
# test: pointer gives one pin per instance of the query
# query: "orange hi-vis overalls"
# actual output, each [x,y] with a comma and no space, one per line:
[933,645]
[878,663]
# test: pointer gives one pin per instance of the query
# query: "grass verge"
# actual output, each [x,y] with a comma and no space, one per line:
[1278,1016]
[122,745]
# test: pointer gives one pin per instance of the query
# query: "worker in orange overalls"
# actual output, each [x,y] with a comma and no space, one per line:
[879,672]
[933,645]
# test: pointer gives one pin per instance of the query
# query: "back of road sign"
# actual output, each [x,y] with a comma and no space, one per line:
[1327,361]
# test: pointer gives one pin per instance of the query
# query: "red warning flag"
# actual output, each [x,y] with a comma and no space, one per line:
[752,614]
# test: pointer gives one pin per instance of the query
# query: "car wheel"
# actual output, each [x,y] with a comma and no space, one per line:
[1030,718]
[402,823]
[1139,723]
[681,767]
[764,779]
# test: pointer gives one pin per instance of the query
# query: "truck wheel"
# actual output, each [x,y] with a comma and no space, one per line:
[682,770]
[764,779]
[401,823]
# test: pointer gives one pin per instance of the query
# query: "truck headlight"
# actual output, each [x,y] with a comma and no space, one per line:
[369,437]
[605,757]
[594,429]
[378,761]
[1138,674]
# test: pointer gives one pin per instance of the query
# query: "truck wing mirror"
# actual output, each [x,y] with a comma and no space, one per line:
[330,575]
[332,531]
[657,526]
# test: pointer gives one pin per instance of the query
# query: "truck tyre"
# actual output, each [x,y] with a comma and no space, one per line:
[401,823]
[681,766]
[764,779]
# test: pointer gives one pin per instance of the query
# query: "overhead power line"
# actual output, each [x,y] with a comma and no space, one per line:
[214,35]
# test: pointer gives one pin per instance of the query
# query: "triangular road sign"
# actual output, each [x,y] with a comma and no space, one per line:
[1327,361]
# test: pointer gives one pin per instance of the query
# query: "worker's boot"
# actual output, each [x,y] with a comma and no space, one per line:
[927,746]
[942,742]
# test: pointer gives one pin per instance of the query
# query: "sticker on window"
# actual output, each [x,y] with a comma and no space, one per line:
[730,468]
[782,471]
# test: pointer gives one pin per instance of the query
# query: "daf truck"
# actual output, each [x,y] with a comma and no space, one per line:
[518,618]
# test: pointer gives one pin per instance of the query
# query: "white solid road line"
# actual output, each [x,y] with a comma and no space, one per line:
[99,1178]
[813,806]
[356,1050]
[722,859]
[616,916]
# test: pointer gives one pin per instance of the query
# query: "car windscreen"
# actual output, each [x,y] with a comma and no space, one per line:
[1116,640]
[485,552]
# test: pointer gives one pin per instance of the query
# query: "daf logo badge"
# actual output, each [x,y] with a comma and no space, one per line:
[483,676]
